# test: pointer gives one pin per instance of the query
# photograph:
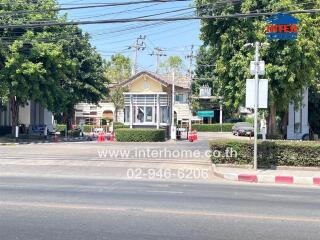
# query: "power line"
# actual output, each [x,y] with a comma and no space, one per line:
[168,19]
[114,4]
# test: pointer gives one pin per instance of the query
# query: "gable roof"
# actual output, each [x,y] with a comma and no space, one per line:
[282,18]
[164,79]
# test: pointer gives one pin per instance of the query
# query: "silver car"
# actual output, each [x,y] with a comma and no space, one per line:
[243,129]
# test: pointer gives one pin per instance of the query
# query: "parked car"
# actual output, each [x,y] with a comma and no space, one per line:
[243,129]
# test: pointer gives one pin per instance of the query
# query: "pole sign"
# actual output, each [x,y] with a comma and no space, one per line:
[261,68]
[282,27]
[263,93]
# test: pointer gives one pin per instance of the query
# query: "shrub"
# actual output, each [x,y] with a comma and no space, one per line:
[71,133]
[60,127]
[140,135]
[272,136]
[225,127]
[270,153]
[117,125]
[249,120]
[5,130]
[87,128]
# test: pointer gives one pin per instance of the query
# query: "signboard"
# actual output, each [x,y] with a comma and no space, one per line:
[205,113]
[261,68]
[263,93]
[282,27]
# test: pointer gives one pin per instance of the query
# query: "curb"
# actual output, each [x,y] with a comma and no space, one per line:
[260,178]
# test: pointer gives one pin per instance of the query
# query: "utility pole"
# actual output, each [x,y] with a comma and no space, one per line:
[158,52]
[191,56]
[256,97]
[139,45]
[173,127]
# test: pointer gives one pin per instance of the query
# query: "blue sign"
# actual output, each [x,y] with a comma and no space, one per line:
[205,113]
[282,27]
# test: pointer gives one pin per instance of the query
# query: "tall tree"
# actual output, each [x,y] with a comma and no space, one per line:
[117,70]
[291,65]
[54,66]
[21,71]
[172,62]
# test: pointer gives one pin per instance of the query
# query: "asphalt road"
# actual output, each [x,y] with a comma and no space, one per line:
[67,191]
[43,208]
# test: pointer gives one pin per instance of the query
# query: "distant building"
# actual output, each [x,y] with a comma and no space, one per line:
[31,115]
[147,102]
[298,122]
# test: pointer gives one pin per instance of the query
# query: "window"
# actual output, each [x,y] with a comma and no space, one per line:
[164,114]
[140,112]
[127,114]
[149,114]
[298,120]
[179,98]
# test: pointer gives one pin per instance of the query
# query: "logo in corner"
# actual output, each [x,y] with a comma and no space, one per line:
[282,27]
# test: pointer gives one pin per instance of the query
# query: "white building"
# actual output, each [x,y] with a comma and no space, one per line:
[298,123]
[31,115]
[147,103]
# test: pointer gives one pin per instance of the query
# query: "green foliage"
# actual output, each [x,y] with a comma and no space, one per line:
[270,153]
[272,136]
[117,98]
[172,62]
[54,66]
[60,127]
[87,128]
[140,135]
[117,125]
[249,120]
[290,65]
[118,68]
[225,127]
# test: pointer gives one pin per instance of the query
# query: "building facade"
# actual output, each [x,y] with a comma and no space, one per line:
[31,116]
[148,102]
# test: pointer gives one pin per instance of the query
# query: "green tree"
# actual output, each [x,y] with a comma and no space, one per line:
[54,66]
[85,80]
[172,62]
[291,65]
[22,70]
[118,68]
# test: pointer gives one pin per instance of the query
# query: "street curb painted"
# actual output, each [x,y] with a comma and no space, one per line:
[260,178]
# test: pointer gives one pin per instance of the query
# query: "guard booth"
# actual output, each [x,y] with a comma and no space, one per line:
[183,129]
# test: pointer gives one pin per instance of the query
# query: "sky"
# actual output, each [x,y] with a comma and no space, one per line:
[174,38]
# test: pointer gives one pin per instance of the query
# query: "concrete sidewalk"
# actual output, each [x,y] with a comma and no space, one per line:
[295,176]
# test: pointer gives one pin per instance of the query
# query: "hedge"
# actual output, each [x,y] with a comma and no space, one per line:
[140,135]
[117,125]
[270,153]
[5,130]
[225,127]
[60,127]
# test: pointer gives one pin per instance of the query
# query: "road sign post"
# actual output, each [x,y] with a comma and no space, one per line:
[256,68]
